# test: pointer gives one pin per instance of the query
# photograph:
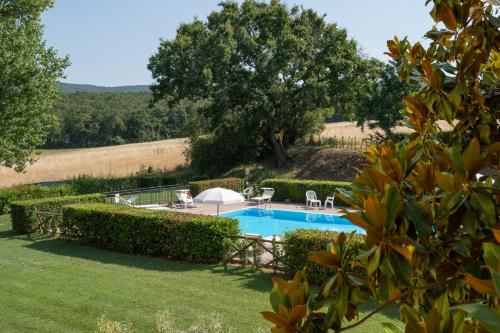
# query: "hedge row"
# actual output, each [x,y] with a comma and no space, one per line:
[25,220]
[295,190]
[181,236]
[27,192]
[88,184]
[298,243]
[235,184]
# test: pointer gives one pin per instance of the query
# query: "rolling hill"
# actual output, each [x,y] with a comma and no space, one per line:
[73,87]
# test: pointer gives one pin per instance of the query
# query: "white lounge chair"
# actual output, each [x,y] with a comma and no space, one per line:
[129,201]
[247,193]
[330,201]
[312,199]
[265,198]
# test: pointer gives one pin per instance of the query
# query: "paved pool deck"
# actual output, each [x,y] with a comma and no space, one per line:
[206,209]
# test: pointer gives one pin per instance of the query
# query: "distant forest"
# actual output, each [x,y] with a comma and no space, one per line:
[92,119]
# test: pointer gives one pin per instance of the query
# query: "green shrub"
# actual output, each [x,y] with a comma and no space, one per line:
[298,243]
[25,220]
[235,184]
[181,236]
[26,192]
[295,190]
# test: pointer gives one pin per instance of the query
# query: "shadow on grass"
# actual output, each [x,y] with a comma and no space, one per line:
[391,311]
[250,279]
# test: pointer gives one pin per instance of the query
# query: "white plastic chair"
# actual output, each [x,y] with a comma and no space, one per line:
[184,199]
[312,199]
[330,200]
[247,193]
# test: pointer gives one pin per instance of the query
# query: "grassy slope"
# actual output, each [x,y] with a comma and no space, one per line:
[50,285]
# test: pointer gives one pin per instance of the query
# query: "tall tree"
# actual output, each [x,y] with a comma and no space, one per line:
[29,72]
[264,67]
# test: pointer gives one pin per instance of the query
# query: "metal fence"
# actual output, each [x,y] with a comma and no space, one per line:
[159,195]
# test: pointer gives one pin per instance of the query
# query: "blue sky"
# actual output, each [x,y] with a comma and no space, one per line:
[110,41]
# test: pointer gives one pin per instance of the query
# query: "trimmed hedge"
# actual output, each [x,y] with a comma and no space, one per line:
[84,184]
[24,219]
[298,243]
[295,190]
[235,184]
[181,236]
[27,192]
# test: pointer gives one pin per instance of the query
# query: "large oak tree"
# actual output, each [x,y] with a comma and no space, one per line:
[29,72]
[270,70]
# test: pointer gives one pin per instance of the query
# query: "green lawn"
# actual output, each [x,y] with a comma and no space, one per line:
[50,285]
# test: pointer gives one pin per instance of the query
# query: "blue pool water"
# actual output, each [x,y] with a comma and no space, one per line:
[276,222]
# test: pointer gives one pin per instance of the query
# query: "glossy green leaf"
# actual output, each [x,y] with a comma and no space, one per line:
[419,217]
[484,208]
[489,318]
[402,268]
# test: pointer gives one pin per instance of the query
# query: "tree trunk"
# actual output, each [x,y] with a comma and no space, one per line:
[278,150]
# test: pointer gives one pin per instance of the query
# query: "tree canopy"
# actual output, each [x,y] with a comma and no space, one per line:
[270,73]
[101,119]
[381,106]
[28,81]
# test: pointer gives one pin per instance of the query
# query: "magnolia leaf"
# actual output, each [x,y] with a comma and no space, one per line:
[376,212]
[297,314]
[449,18]
[373,261]
[276,297]
[282,283]
[324,258]
[471,153]
[405,252]
[484,207]
[484,287]
[416,214]
[483,313]
[342,299]
[433,321]
[402,268]
[446,181]
[357,220]
[277,319]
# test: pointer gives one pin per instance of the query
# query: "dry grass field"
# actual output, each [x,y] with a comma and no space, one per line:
[120,160]
[127,159]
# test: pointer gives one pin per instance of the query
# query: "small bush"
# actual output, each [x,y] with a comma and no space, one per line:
[27,192]
[24,219]
[182,236]
[298,243]
[235,184]
[295,190]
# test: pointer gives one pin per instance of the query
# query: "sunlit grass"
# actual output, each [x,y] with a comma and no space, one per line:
[50,285]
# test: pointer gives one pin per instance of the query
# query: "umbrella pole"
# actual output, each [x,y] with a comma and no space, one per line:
[217,209]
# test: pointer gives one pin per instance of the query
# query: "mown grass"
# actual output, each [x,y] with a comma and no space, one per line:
[50,285]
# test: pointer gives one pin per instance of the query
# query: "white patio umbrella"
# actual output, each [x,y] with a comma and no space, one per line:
[219,196]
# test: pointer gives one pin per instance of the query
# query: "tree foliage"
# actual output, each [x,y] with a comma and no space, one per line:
[103,119]
[28,81]
[432,227]
[271,73]
[381,106]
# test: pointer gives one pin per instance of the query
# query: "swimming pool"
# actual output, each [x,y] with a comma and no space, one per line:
[276,222]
